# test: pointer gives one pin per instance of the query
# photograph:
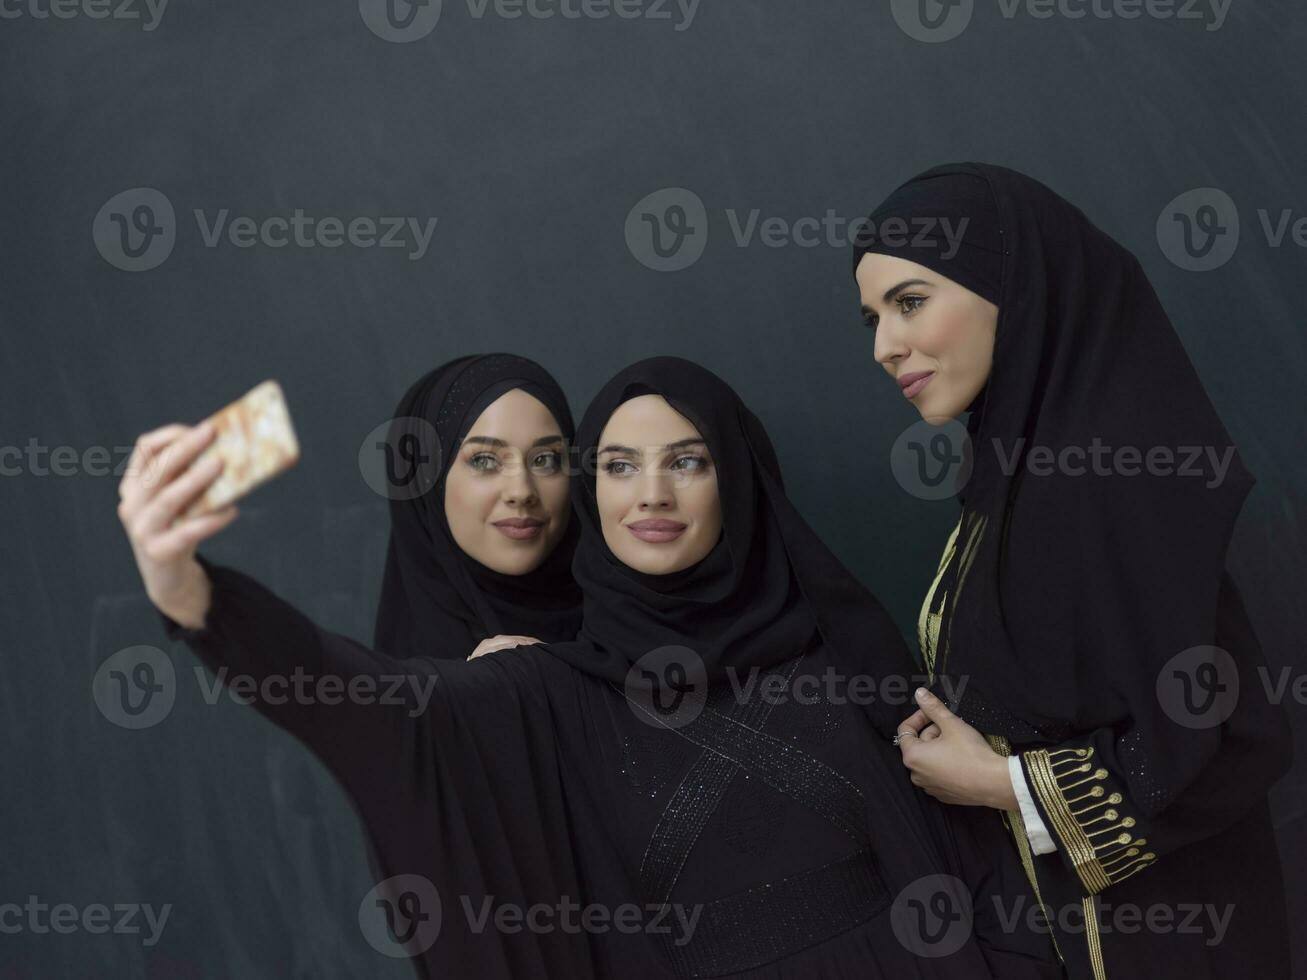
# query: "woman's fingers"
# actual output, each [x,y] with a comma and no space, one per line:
[164,454]
[186,534]
[146,445]
[486,646]
[140,464]
[915,722]
[175,456]
[501,642]
[930,732]
[163,508]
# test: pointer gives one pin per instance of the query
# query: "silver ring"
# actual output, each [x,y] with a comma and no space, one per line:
[900,736]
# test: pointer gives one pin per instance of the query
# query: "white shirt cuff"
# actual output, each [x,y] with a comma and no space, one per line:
[1041,842]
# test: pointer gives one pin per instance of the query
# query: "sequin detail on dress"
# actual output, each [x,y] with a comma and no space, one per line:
[775,919]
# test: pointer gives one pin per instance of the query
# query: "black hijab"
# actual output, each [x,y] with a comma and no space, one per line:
[1068,592]
[435,599]
[757,597]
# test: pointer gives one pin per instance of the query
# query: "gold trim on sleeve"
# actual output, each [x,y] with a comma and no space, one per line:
[1088,820]
[1016,826]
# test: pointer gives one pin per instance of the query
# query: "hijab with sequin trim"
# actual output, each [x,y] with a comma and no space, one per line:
[435,599]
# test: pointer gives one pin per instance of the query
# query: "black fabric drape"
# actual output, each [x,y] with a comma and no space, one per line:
[779,816]
[1090,555]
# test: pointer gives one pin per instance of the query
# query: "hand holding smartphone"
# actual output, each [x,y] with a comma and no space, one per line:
[181,483]
[255,441]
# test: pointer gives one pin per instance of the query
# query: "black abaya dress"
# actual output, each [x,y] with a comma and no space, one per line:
[762,831]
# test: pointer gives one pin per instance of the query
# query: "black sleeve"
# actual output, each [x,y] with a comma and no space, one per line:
[1118,799]
[349,704]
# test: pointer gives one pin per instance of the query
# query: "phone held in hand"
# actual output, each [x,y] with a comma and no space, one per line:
[256,442]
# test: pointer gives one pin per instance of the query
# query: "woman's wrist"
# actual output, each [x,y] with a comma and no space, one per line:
[188,606]
[1001,795]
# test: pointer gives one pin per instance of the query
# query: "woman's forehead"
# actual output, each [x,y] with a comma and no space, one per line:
[516,407]
[648,420]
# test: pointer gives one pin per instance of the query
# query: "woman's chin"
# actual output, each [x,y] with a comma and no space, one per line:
[519,563]
[935,411]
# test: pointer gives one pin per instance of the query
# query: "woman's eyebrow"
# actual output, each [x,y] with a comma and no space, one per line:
[893,290]
[501,444]
[679,444]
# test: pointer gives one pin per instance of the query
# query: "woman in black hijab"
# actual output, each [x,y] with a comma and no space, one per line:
[437,599]
[1083,596]
[701,784]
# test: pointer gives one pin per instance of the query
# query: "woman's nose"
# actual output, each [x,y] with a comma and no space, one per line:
[519,490]
[656,491]
[889,347]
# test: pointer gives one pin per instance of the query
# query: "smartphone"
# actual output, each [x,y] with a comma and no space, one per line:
[256,442]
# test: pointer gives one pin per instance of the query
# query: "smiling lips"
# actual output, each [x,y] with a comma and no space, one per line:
[914,381]
[521,528]
[657,531]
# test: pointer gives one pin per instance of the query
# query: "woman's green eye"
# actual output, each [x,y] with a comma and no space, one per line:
[611,467]
[548,461]
[483,461]
[697,462]
[913,301]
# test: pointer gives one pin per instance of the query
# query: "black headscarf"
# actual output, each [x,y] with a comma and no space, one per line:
[757,597]
[435,599]
[1068,592]
[946,220]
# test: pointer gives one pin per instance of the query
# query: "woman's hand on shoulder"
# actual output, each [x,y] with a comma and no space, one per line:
[502,642]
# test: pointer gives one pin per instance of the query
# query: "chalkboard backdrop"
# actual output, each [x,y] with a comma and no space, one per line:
[198,196]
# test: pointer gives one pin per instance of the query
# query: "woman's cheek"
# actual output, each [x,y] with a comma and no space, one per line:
[947,334]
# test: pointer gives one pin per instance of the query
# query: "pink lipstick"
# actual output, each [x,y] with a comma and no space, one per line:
[914,381]
[657,531]
[521,528]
